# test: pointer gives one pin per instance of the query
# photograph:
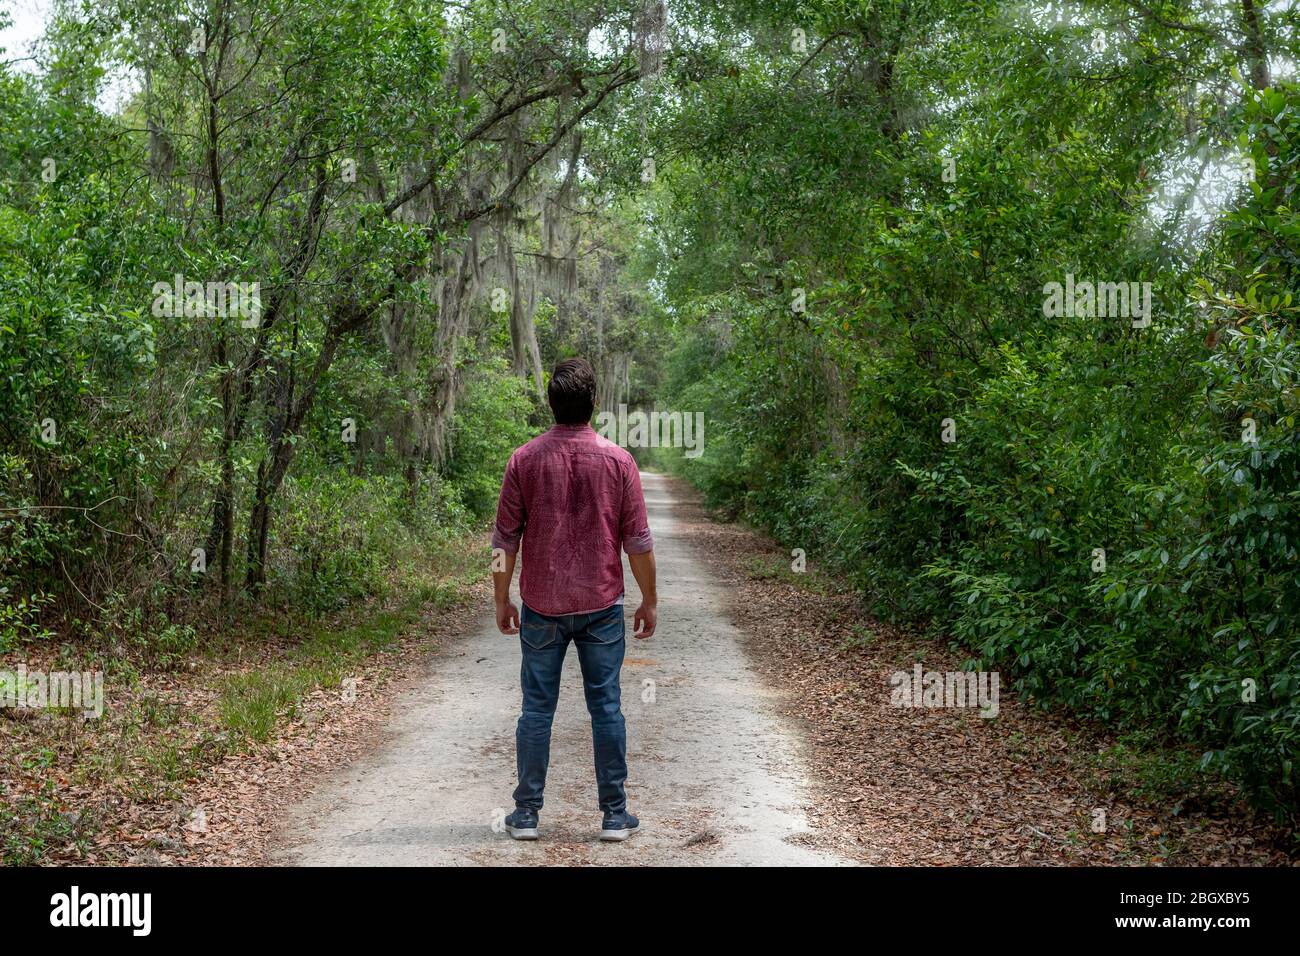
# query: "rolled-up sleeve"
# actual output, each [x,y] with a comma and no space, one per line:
[637,538]
[510,521]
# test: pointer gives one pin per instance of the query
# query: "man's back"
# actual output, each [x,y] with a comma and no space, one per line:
[576,499]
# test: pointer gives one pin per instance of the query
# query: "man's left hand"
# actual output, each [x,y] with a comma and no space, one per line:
[507,618]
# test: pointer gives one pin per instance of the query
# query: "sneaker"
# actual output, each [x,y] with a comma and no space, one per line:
[522,824]
[618,826]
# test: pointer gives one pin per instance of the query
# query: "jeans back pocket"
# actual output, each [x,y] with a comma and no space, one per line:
[608,629]
[537,634]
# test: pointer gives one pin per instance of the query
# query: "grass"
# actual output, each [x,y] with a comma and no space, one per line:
[36,821]
[236,694]
[253,703]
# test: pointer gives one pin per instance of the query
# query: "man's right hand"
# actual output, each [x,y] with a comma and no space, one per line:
[643,624]
[647,615]
[507,618]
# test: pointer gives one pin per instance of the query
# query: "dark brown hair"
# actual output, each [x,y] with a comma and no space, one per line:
[572,392]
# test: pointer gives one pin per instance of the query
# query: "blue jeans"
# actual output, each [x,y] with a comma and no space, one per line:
[600,643]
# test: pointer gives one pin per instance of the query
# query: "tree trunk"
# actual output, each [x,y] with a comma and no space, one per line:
[271,476]
[1256,53]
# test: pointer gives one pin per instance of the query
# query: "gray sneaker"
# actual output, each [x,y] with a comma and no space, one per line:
[618,826]
[522,824]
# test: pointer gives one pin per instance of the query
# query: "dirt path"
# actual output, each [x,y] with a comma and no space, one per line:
[715,772]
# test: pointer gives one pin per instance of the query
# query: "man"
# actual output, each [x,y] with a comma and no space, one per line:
[575,499]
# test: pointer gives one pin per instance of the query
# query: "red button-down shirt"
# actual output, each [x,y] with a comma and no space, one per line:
[575,498]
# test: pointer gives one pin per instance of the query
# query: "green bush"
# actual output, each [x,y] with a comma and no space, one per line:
[1099,529]
[491,421]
